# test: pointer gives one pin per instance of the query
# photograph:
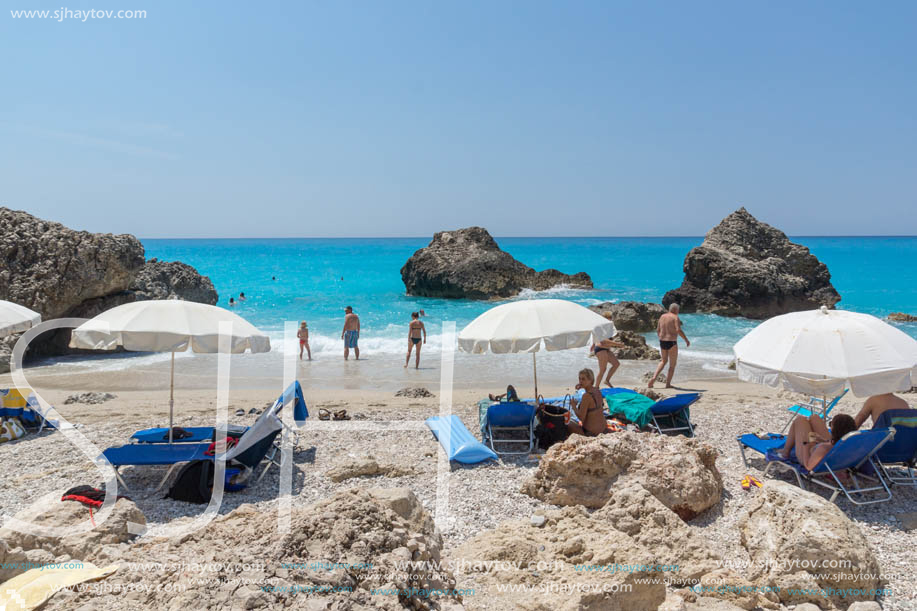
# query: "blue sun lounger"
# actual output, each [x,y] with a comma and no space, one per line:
[852,452]
[674,411]
[900,452]
[254,446]
[461,446]
[507,417]
[293,392]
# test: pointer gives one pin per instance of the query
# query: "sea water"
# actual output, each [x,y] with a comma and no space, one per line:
[314,279]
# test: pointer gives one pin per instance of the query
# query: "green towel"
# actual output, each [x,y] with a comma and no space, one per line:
[634,406]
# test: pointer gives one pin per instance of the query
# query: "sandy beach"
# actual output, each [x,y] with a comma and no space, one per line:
[480,497]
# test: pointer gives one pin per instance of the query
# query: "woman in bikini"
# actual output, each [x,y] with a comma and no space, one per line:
[416,331]
[811,440]
[590,411]
[606,357]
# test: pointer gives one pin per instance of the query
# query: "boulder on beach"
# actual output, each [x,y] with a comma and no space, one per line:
[57,520]
[468,264]
[335,553]
[747,268]
[797,540]
[568,548]
[631,315]
[60,272]
[681,473]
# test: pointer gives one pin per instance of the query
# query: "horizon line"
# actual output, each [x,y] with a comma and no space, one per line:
[615,237]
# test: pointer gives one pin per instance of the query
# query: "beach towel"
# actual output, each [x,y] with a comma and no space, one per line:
[33,588]
[633,406]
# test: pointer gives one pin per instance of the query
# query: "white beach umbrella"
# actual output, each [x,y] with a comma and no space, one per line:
[15,318]
[819,352]
[524,326]
[167,326]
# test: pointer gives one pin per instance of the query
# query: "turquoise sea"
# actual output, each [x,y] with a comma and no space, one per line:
[317,278]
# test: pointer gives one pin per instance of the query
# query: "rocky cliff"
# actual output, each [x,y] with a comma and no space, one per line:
[468,264]
[747,268]
[60,272]
[631,315]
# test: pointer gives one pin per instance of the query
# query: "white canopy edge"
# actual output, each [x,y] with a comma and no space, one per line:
[860,386]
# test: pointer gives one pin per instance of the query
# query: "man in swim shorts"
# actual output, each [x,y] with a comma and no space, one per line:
[668,329]
[351,333]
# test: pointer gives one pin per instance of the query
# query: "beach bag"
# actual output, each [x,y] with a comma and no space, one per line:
[194,483]
[10,429]
[552,425]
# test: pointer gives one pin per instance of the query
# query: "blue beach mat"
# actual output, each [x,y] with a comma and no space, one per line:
[462,446]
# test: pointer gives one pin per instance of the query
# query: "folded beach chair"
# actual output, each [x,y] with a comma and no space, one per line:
[815,405]
[292,394]
[852,452]
[503,422]
[22,404]
[898,458]
[254,446]
[672,415]
[457,441]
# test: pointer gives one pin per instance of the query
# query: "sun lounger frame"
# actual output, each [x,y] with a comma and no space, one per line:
[488,429]
[810,408]
[889,467]
[694,397]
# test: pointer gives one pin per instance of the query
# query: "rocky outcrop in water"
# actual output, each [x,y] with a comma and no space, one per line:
[747,268]
[468,264]
[902,317]
[60,272]
[635,347]
[631,315]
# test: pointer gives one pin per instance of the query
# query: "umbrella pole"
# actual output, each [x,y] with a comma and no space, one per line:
[535,371]
[171,396]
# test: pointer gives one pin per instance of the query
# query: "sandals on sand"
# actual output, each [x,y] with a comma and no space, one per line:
[750,480]
[341,415]
[324,414]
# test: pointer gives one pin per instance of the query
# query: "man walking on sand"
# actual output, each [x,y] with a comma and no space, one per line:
[351,333]
[668,329]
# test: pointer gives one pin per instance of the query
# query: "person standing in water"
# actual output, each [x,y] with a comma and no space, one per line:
[415,331]
[303,335]
[669,329]
[351,333]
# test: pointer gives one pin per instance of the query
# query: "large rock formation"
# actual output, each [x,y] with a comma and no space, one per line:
[631,315]
[588,471]
[798,541]
[902,317]
[59,272]
[468,264]
[748,268]
[359,549]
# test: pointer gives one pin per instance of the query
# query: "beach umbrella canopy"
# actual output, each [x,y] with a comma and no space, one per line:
[820,352]
[527,325]
[167,326]
[15,318]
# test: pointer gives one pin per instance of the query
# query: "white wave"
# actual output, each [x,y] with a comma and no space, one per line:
[561,290]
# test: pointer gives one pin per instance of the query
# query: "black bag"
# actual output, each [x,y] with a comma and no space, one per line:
[194,483]
[552,425]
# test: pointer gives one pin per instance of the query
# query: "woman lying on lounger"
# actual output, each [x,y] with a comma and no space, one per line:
[812,440]
[590,411]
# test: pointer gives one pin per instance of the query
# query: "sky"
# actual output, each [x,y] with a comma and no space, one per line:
[530,118]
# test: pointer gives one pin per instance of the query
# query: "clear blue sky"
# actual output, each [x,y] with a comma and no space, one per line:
[328,118]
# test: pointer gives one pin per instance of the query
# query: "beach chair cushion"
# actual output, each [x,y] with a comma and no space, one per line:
[510,414]
[161,435]
[461,446]
[902,449]
[155,454]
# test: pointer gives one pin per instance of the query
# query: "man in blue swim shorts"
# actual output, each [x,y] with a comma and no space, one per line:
[351,333]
